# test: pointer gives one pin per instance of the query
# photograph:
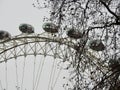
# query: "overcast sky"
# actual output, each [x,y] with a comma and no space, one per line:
[15,12]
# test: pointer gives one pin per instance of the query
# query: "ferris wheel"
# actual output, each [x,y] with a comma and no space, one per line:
[31,61]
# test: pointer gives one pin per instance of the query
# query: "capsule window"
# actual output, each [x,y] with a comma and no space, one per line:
[96,45]
[4,35]
[50,27]
[72,33]
[26,28]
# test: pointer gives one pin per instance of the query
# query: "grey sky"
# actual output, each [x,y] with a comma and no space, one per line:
[15,12]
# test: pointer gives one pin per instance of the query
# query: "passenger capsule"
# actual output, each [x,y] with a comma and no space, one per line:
[96,45]
[114,64]
[26,28]
[50,27]
[4,35]
[72,33]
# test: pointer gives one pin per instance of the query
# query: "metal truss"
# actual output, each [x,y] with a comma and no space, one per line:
[36,44]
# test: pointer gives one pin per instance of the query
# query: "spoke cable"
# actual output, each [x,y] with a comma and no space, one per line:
[1,85]
[57,77]
[51,74]
[6,75]
[16,75]
[23,73]
[40,71]
[54,72]
[34,72]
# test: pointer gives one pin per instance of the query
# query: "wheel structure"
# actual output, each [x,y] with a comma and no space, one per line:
[35,62]
[49,62]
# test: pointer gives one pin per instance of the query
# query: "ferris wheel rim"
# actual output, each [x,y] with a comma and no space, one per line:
[37,38]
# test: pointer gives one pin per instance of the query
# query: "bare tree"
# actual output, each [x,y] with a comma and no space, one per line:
[97,60]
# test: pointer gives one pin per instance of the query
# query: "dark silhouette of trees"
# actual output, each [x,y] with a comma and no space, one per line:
[96,67]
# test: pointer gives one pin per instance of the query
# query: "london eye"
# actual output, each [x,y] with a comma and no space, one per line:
[31,61]
[23,59]
[78,49]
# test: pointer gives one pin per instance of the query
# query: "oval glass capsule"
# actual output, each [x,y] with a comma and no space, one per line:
[50,27]
[72,33]
[4,35]
[26,28]
[96,45]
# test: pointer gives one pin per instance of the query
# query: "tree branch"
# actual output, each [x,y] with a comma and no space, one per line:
[107,7]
